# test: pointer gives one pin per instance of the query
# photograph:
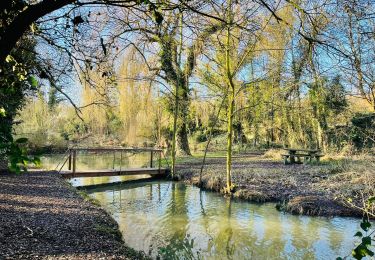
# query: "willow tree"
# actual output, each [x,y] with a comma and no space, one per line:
[137,104]
[96,100]
[178,70]
[177,46]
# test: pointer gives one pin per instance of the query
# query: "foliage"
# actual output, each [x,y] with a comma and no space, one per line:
[16,153]
[358,133]
[179,249]
[366,235]
[16,83]
[364,248]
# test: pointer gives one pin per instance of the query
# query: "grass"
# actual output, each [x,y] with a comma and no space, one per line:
[315,188]
[115,232]
[88,198]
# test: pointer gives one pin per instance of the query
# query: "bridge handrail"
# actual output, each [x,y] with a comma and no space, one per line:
[92,149]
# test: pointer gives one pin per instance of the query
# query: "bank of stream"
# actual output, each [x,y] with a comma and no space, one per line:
[164,218]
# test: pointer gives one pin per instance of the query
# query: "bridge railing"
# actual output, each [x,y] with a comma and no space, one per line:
[73,154]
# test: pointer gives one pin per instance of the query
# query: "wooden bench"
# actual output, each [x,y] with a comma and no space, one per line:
[291,157]
[317,157]
[307,155]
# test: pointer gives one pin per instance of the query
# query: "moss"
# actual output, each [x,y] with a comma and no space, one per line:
[108,230]
[87,197]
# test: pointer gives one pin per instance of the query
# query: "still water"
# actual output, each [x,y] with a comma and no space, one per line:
[181,222]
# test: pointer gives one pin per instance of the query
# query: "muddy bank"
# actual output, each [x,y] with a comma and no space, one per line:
[318,190]
[41,216]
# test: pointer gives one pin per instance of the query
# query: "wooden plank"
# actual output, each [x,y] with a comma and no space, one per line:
[74,161]
[300,150]
[70,161]
[114,149]
[99,173]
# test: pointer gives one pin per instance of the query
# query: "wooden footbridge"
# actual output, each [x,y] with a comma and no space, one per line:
[73,172]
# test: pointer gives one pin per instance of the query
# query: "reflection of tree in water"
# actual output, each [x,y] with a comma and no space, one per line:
[219,228]
[303,237]
[94,180]
[175,223]
[230,247]
[273,243]
[223,243]
[335,239]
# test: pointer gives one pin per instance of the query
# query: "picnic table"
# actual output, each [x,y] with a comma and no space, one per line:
[294,155]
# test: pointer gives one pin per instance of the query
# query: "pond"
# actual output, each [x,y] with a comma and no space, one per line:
[182,222]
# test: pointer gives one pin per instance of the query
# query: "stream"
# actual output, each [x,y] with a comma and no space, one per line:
[178,221]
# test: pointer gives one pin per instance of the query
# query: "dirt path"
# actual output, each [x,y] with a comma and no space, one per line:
[300,189]
[41,216]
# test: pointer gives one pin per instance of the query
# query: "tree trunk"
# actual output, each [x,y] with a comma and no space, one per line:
[230,140]
[182,127]
[231,97]
[182,140]
[175,117]
[3,164]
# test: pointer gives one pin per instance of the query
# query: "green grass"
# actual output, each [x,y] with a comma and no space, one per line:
[87,197]
[115,232]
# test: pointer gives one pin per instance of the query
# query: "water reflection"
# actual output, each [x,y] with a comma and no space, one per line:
[182,222]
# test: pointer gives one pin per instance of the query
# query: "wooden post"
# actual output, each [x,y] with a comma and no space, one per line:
[74,161]
[70,160]
[151,158]
[120,160]
[159,160]
[114,158]
[292,158]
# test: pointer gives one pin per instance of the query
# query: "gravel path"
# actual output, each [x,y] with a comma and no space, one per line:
[41,216]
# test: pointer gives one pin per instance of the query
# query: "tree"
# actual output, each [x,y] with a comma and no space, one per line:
[17,83]
[231,52]
[18,16]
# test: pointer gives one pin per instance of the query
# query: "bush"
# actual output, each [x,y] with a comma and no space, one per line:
[201,137]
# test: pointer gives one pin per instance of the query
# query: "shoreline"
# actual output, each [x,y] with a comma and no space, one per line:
[312,190]
[43,216]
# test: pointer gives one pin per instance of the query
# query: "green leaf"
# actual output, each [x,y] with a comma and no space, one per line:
[366,241]
[2,112]
[14,168]
[369,252]
[33,82]
[358,234]
[371,200]
[36,161]
[21,140]
[9,58]
[361,251]
[365,225]
[339,258]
